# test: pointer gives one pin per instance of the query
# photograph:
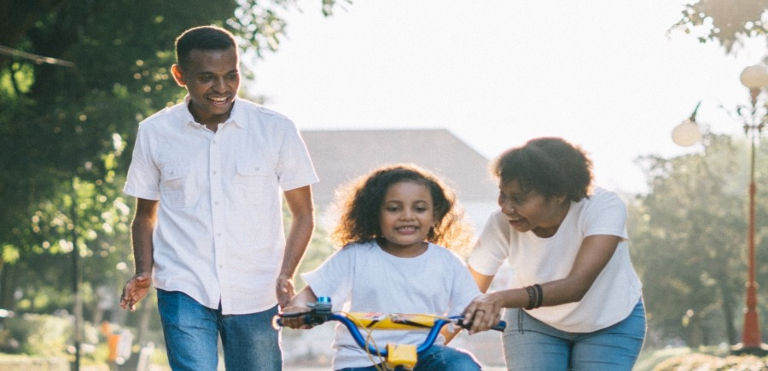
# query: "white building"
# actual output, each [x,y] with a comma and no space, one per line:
[342,155]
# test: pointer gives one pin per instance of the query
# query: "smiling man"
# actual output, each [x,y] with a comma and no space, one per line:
[208,233]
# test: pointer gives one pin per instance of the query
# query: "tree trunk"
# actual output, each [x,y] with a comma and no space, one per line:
[695,334]
[727,307]
[7,286]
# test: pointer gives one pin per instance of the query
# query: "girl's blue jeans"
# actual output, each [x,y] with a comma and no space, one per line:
[192,331]
[530,344]
[437,357]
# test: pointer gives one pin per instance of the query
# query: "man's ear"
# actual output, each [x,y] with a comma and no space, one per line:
[178,75]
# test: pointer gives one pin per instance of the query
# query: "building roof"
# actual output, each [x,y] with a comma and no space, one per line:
[342,155]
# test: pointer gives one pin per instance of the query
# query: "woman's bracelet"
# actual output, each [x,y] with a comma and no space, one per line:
[535,296]
[539,295]
[531,297]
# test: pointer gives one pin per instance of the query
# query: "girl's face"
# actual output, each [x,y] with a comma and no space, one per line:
[406,215]
[530,211]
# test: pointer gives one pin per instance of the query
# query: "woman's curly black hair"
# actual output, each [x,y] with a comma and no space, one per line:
[361,201]
[550,166]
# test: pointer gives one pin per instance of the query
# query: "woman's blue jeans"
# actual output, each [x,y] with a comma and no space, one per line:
[192,331]
[529,344]
[437,357]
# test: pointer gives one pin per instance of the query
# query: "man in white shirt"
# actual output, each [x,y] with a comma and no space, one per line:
[208,231]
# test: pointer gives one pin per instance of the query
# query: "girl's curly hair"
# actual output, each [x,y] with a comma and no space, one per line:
[360,203]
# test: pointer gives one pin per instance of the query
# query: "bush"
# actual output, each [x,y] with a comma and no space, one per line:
[29,363]
[36,334]
[712,363]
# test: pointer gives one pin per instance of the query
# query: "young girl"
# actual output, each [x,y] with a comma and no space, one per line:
[392,225]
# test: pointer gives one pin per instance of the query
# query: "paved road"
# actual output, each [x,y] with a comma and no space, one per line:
[288,368]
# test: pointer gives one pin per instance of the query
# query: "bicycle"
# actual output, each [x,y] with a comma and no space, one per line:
[394,355]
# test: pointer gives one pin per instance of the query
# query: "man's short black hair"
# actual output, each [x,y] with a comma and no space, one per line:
[202,38]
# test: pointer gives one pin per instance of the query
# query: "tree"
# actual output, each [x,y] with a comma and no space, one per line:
[728,22]
[64,130]
[689,242]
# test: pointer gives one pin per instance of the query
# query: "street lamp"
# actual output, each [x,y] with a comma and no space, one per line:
[754,78]
[686,134]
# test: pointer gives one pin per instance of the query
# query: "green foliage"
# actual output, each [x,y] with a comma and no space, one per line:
[319,249]
[65,131]
[42,335]
[728,22]
[689,242]
[16,81]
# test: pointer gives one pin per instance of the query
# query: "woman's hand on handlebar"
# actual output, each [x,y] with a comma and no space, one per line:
[483,312]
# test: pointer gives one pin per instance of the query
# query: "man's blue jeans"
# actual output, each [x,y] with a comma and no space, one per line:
[437,357]
[191,336]
[530,344]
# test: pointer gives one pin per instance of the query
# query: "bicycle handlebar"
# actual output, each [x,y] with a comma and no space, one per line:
[321,312]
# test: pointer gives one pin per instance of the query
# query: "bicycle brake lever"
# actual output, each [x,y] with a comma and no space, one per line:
[466,325]
[318,314]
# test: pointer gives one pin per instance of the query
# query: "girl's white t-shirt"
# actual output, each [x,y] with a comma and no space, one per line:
[364,278]
[533,259]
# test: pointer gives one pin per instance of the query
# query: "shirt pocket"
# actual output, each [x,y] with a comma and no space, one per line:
[175,185]
[254,181]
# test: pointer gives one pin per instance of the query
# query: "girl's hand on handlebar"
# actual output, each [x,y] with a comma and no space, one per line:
[293,317]
[483,312]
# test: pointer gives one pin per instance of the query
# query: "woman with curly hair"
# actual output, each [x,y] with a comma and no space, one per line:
[575,302]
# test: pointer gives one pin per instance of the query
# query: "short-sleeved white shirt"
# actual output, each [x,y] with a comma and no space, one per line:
[364,278]
[219,236]
[614,293]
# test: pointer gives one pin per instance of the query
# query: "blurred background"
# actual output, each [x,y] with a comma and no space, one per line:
[447,85]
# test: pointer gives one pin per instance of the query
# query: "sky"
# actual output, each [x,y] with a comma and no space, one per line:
[608,76]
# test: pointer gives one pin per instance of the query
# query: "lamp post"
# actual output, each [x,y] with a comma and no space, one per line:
[754,78]
[686,134]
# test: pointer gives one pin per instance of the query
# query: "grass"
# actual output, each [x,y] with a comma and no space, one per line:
[711,358]
[650,358]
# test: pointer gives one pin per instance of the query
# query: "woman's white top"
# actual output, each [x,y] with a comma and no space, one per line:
[534,259]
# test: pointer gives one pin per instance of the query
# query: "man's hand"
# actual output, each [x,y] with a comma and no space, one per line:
[135,289]
[285,290]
